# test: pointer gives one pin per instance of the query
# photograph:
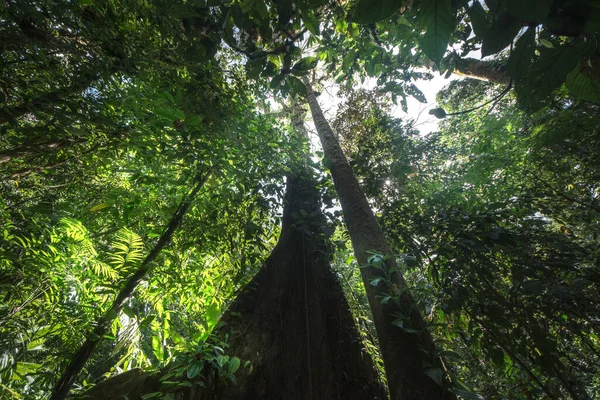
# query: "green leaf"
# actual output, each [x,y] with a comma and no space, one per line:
[415,92]
[194,369]
[375,281]
[277,82]
[304,65]
[25,368]
[261,10]
[582,86]
[148,320]
[371,11]
[232,379]
[100,207]
[255,67]
[311,21]
[501,34]
[234,364]
[546,43]
[213,312]
[158,349]
[111,315]
[479,19]
[522,55]
[529,10]
[437,20]
[128,311]
[296,85]
[246,5]
[270,70]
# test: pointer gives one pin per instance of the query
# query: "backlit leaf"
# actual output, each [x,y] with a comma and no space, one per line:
[436,19]
[582,86]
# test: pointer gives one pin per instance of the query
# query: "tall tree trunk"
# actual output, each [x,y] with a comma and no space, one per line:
[86,350]
[299,332]
[413,368]
[292,322]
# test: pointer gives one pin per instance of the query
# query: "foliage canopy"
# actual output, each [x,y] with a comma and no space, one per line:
[110,110]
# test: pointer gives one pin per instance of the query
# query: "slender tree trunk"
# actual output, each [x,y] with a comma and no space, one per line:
[63,386]
[413,368]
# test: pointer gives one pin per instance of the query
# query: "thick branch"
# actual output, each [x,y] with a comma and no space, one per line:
[490,71]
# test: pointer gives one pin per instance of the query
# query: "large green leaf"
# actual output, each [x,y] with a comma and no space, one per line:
[194,369]
[583,86]
[437,20]
[234,365]
[304,65]
[501,34]
[546,74]
[521,57]
[479,19]
[311,21]
[296,85]
[371,11]
[255,67]
[213,312]
[158,349]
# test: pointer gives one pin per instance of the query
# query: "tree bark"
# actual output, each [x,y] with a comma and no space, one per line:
[292,322]
[408,350]
[489,71]
[63,386]
[299,332]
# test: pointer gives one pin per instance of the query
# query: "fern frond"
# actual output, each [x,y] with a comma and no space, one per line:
[127,249]
[84,250]
[74,229]
[104,270]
